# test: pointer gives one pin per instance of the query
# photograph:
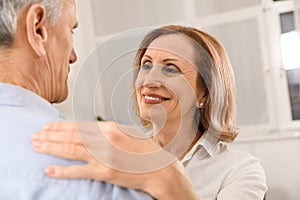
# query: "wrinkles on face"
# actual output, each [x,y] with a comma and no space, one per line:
[46,73]
[54,80]
[166,73]
[60,54]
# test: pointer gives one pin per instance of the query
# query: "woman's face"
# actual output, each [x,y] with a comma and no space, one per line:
[166,86]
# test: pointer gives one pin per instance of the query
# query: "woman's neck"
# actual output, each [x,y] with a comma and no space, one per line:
[177,136]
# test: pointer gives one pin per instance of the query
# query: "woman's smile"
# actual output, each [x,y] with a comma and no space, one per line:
[154,99]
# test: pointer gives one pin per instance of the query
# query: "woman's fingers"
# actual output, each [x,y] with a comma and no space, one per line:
[74,172]
[68,151]
[60,126]
[98,172]
[57,136]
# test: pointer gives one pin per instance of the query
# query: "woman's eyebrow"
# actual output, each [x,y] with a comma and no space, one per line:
[145,55]
[170,59]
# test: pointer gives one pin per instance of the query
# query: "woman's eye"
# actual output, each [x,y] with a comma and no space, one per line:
[147,66]
[171,69]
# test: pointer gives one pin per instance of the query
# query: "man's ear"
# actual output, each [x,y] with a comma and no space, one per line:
[36,30]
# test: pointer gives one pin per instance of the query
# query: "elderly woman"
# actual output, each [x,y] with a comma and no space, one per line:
[185,93]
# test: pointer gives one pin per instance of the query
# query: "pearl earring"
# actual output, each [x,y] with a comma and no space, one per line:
[200,104]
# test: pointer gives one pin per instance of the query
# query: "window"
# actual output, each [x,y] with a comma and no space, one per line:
[290,49]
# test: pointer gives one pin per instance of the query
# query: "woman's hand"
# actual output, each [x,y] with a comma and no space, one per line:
[114,153]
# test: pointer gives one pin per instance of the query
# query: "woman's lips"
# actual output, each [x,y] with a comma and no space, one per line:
[154,99]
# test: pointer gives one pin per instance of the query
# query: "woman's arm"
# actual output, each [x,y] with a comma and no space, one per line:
[117,154]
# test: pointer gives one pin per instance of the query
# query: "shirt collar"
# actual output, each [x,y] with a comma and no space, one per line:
[13,95]
[205,147]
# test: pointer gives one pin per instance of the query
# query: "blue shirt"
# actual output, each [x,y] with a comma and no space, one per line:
[22,170]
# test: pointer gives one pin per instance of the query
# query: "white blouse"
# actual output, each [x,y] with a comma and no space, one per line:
[219,172]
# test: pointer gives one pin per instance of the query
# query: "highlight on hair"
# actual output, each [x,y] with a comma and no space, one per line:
[11,9]
[215,76]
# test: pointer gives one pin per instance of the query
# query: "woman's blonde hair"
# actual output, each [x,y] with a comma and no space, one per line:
[215,77]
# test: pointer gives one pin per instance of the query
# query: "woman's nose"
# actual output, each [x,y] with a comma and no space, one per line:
[154,77]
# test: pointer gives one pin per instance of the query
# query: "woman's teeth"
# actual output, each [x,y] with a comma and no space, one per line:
[154,98]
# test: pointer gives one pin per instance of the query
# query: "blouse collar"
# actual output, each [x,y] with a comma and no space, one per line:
[205,146]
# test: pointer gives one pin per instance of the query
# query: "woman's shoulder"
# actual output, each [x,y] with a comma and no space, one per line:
[224,157]
[227,153]
[237,163]
[234,172]
[242,169]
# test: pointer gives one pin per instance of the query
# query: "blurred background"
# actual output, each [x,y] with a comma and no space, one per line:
[262,40]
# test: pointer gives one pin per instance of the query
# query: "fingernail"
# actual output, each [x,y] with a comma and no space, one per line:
[47,127]
[49,171]
[36,136]
[37,144]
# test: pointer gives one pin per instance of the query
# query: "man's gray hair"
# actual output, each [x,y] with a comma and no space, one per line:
[9,13]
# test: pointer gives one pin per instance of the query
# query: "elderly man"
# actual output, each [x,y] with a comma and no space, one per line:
[36,51]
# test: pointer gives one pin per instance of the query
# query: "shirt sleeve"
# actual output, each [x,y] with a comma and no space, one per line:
[245,181]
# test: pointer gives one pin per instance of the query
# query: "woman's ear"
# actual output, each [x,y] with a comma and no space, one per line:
[36,31]
[202,97]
